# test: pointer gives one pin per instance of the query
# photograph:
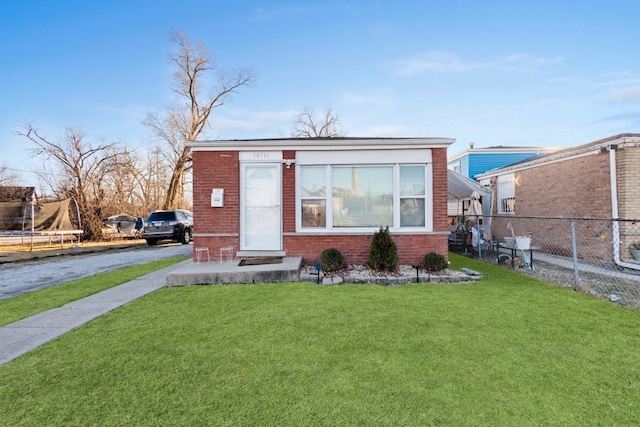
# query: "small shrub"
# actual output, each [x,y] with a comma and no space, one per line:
[383,255]
[331,259]
[434,262]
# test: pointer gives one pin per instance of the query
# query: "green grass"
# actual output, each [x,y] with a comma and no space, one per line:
[19,307]
[506,351]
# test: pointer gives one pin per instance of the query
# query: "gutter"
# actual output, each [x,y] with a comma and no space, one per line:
[614,212]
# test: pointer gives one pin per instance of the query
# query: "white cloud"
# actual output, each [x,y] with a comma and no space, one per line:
[382,30]
[379,97]
[385,130]
[628,95]
[433,61]
[441,62]
[619,87]
[236,123]
[267,14]
[525,62]
[264,115]
[129,112]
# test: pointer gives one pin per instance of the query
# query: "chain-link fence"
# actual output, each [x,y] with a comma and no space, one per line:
[597,256]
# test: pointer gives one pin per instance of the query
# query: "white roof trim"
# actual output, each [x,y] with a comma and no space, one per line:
[319,144]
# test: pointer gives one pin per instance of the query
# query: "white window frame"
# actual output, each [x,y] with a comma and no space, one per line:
[364,159]
[506,191]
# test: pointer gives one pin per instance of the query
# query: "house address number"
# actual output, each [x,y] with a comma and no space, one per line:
[260,155]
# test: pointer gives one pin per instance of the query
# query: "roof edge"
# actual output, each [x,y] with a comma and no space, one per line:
[342,143]
[501,149]
[579,150]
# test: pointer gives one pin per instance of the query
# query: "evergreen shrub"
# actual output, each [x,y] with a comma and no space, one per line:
[331,259]
[434,262]
[383,254]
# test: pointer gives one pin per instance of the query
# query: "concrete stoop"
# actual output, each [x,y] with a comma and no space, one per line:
[231,272]
[290,270]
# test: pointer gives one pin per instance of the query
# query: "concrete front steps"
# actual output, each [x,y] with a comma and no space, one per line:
[228,272]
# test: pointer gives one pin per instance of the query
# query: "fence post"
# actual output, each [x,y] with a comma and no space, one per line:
[574,250]
[33,202]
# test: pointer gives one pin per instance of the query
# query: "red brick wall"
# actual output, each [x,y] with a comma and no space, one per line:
[288,195]
[440,186]
[355,248]
[222,170]
[212,169]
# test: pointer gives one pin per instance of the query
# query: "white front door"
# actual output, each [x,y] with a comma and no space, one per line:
[261,207]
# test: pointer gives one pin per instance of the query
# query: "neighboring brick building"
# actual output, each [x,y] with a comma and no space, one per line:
[297,197]
[575,182]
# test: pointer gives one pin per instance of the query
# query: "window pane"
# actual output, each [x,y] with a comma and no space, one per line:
[411,181]
[314,213]
[412,212]
[312,181]
[362,196]
[506,193]
[508,205]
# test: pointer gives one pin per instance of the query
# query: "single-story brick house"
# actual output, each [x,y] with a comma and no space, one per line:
[297,197]
[599,179]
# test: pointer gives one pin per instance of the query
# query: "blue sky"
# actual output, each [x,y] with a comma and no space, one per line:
[549,73]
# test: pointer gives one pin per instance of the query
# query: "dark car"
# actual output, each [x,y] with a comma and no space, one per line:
[175,225]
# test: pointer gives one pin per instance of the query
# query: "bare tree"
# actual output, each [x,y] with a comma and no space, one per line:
[7,178]
[121,184]
[188,118]
[306,125]
[153,179]
[76,168]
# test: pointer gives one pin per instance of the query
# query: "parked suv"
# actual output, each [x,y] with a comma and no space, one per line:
[173,225]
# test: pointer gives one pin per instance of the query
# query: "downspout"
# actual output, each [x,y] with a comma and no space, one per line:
[614,212]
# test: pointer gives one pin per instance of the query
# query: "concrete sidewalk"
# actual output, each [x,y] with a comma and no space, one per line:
[27,334]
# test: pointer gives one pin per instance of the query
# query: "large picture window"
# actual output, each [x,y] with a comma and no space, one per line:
[340,197]
[362,196]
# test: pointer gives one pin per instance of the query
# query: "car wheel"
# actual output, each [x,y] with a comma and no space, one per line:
[186,237]
[152,242]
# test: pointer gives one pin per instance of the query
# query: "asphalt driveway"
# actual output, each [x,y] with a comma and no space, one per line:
[22,278]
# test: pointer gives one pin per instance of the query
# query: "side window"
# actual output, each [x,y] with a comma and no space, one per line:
[313,196]
[506,189]
[412,196]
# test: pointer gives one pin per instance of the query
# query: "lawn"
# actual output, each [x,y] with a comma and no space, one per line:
[21,306]
[508,350]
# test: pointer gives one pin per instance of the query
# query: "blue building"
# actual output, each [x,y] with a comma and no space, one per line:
[474,161]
